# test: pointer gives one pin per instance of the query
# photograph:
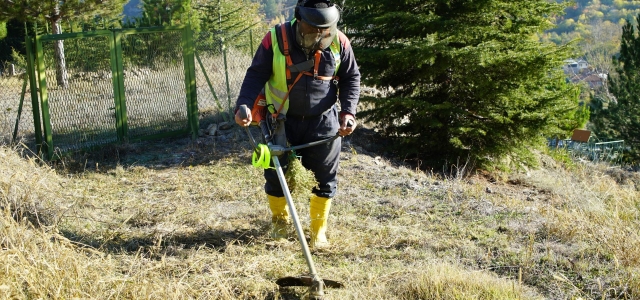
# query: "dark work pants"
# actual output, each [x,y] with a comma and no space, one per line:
[321,159]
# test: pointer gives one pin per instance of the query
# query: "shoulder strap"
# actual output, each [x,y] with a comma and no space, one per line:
[282,33]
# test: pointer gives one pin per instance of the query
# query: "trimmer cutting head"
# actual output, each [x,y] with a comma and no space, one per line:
[305,280]
[315,284]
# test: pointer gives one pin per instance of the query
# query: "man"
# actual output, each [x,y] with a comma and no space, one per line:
[304,67]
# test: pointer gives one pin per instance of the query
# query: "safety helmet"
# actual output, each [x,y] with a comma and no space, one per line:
[318,23]
[317,13]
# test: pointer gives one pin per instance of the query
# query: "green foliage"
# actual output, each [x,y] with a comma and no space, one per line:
[562,156]
[584,16]
[299,179]
[231,21]
[164,13]
[18,59]
[279,10]
[271,9]
[3,30]
[54,11]
[466,79]
[619,119]
[13,42]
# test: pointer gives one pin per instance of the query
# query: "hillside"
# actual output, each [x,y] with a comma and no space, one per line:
[593,21]
[182,220]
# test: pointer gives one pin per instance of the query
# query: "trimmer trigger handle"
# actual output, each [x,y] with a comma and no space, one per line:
[350,123]
[243,111]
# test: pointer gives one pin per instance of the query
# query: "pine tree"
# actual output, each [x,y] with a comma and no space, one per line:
[54,12]
[3,30]
[620,119]
[230,21]
[466,79]
[271,9]
[168,12]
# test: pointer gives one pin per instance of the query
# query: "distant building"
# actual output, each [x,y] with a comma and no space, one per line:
[593,80]
[572,66]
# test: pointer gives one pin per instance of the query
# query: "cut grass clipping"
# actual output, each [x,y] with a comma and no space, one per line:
[299,179]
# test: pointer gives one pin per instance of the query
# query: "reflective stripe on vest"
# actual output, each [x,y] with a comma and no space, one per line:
[276,88]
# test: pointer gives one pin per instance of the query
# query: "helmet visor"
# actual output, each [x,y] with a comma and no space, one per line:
[315,38]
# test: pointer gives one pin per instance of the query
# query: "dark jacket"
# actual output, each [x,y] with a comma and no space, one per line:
[309,97]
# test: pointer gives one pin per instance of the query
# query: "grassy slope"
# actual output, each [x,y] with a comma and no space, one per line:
[191,222]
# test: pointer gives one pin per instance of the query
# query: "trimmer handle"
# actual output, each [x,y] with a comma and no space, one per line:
[350,123]
[243,111]
[243,114]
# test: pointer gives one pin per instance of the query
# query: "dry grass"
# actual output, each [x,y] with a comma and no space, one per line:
[191,222]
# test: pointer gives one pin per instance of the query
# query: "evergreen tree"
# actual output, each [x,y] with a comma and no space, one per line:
[12,43]
[271,9]
[621,118]
[168,12]
[466,79]
[54,12]
[3,30]
[230,21]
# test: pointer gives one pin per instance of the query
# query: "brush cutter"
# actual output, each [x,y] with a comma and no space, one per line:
[273,134]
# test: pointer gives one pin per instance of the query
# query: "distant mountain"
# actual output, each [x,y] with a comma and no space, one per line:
[133,8]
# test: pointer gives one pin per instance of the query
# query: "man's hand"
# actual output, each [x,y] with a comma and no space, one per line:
[347,124]
[243,116]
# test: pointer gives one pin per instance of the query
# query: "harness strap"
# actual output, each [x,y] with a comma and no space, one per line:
[285,44]
[301,67]
[290,65]
[316,65]
[286,96]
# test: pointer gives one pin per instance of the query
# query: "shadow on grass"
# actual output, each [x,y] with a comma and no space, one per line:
[158,154]
[158,245]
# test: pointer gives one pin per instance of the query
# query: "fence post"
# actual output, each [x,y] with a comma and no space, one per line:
[226,74]
[251,42]
[44,98]
[24,89]
[213,91]
[117,70]
[33,86]
[190,80]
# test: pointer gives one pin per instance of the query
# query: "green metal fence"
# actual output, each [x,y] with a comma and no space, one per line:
[220,70]
[16,119]
[90,97]
[78,102]
[119,86]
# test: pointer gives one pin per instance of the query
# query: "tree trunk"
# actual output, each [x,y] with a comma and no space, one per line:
[62,77]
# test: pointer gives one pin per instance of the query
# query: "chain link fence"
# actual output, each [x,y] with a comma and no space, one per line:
[16,121]
[220,71]
[80,99]
[87,100]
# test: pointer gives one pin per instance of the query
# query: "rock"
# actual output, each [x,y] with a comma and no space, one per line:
[212,129]
[225,126]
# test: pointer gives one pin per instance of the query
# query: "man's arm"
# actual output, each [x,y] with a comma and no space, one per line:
[349,83]
[349,87]
[257,74]
[254,80]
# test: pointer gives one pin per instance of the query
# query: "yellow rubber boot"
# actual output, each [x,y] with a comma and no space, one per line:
[280,220]
[319,213]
